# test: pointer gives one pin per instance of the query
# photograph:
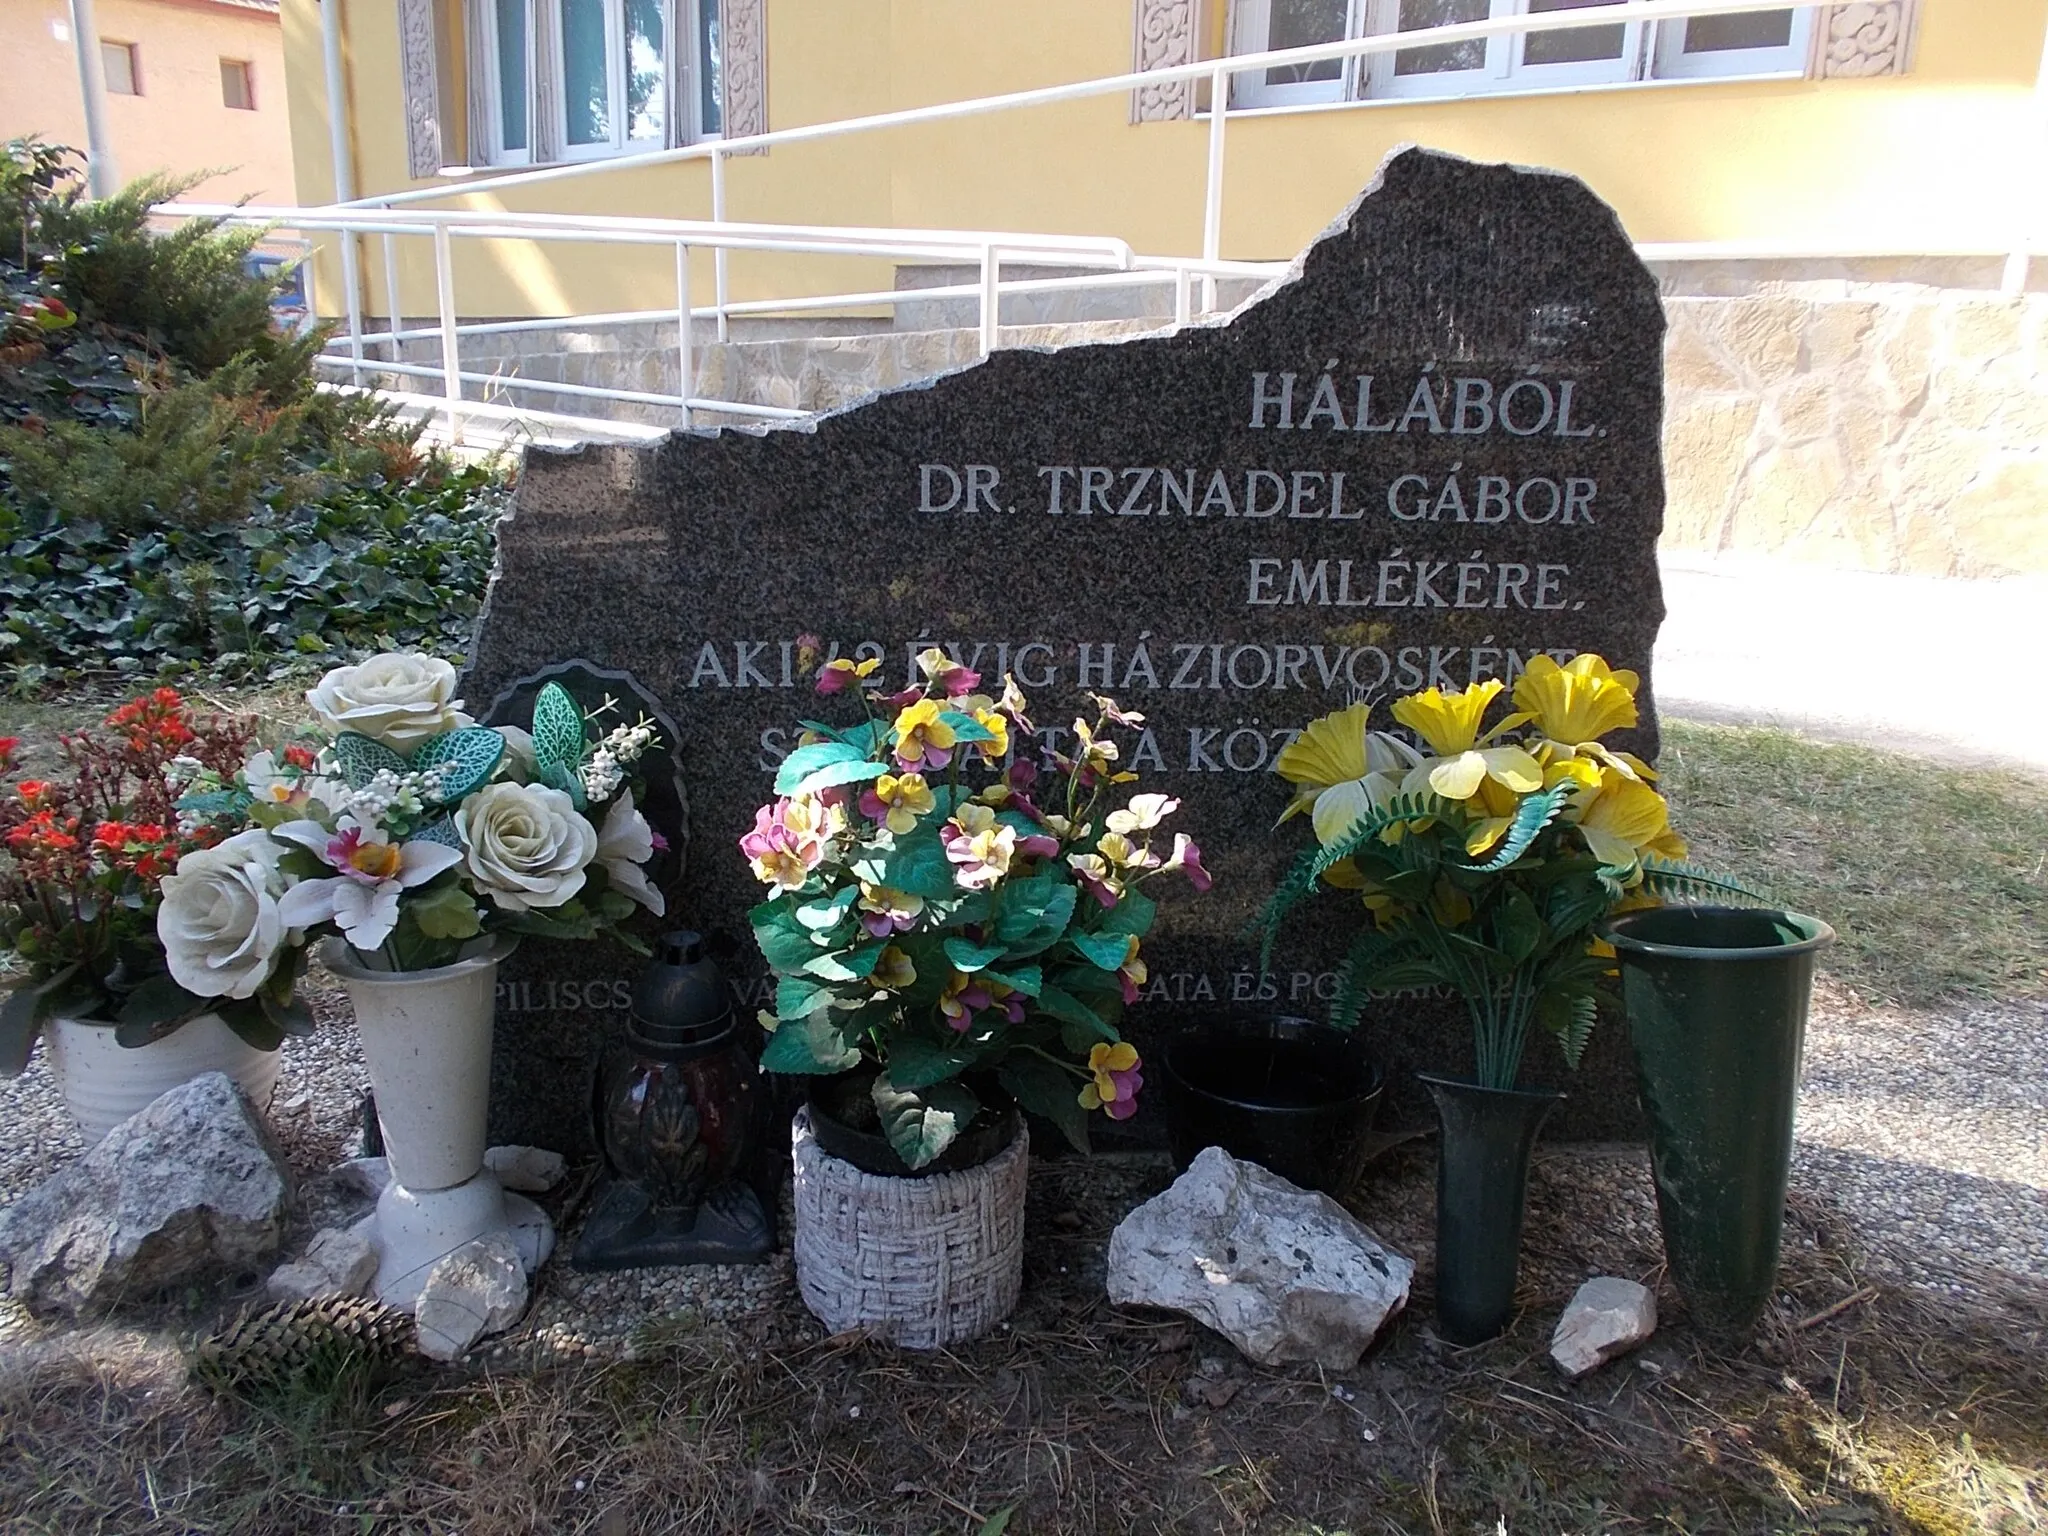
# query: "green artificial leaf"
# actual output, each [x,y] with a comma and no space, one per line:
[155,1008]
[208,804]
[467,759]
[833,774]
[259,1021]
[566,779]
[918,1063]
[807,760]
[1107,951]
[1018,978]
[557,732]
[447,913]
[847,965]
[965,727]
[810,1046]
[558,923]
[827,913]
[362,759]
[22,1014]
[919,867]
[1028,927]
[1517,925]
[1058,1003]
[785,942]
[1133,913]
[1045,1088]
[968,956]
[797,997]
[922,1122]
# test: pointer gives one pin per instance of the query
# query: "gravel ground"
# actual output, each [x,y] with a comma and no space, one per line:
[1926,1133]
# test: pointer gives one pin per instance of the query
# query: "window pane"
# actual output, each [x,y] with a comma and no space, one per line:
[1299,23]
[117,62]
[1414,15]
[1746,29]
[585,86]
[646,101]
[234,85]
[1576,46]
[711,70]
[511,16]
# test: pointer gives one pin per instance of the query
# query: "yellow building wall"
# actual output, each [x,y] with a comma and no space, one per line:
[1941,156]
[179,123]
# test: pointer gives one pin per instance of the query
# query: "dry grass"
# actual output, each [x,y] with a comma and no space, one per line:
[1859,1408]
[1936,878]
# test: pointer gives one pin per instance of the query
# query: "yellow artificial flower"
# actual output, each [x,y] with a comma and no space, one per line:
[1093,755]
[1122,853]
[893,971]
[992,720]
[1344,770]
[1578,702]
[888,910]
[1450,723]
[1624,819]
[922,738]
[903,798]
[1104,1062]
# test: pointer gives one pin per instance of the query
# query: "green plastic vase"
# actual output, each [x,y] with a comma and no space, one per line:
[1716,1000]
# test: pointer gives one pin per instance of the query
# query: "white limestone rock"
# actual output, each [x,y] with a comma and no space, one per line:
[338,1262]
[480,1288]
[1606,1317]
[189,1184]
[530,1170]
[1284,1273]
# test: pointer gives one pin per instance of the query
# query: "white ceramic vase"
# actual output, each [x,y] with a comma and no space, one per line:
[104,1082]
[427,1043]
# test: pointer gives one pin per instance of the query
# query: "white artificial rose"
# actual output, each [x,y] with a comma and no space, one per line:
[524,845]
[400,698]
[220,925]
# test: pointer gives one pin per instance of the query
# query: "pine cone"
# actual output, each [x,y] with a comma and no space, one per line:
[304,1342]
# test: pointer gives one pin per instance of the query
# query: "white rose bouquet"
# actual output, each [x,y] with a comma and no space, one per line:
[410,832]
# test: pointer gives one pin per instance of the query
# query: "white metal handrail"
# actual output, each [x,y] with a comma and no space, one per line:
[392,215]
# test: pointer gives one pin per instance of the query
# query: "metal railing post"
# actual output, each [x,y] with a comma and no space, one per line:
[719,294]
[991,298]
[395,320]
[686,373]
[1183,296]
[451,361]
[1212,201]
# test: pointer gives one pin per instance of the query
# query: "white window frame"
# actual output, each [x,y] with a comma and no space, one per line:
[1647,54]
[615,84]
[495,152]
[1252,28]
[1674,63]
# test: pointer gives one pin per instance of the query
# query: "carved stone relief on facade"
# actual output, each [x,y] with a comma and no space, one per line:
[1163,36]
[743,41]
[1872,37]
[419,78]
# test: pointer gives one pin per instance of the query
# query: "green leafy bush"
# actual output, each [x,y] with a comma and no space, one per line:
[376,564]
[174,489]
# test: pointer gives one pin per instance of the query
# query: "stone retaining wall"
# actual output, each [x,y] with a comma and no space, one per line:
[1897,432]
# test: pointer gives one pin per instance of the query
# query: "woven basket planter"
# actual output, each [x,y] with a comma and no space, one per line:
[926,1262]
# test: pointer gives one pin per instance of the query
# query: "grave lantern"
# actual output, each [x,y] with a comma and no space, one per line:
[677,1117]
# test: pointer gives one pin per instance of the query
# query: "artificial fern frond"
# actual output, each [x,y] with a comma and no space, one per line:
[1675,880]
[1531,817]
[1300,880]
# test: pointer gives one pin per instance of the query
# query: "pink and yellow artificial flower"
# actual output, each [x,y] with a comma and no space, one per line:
[836,674]
[898,800]
[893,971]
[884,911]
[979,847]
[923,740]
[1114,1080]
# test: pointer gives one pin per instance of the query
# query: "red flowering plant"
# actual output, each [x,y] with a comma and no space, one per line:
[944,913]
[83,855]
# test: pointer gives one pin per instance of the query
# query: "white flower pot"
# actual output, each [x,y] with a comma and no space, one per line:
[427,1042]
[104,1082]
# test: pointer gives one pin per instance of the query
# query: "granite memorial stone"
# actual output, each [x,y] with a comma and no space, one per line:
[1426,454]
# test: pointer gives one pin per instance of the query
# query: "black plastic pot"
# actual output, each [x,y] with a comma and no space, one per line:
[1291,1095]
[843,1119]
[1717,1000]
[1482,1178]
